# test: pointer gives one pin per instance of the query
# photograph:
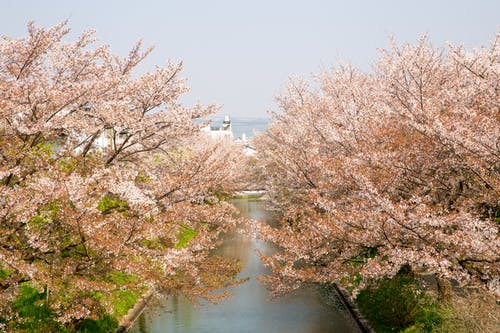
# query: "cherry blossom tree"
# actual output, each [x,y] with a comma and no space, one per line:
[398,167]
[107,183]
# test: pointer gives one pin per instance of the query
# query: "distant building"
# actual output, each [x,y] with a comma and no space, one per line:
[224,131]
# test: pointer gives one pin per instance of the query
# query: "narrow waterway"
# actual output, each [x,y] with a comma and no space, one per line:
[250,309]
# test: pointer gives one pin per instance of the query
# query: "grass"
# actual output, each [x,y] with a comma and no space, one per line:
[399,304]
[122,301]
[121,278]
[32,314]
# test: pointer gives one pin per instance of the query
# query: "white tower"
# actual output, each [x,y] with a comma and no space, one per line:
[226,124]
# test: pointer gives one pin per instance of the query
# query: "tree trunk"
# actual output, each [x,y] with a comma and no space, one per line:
[443,289]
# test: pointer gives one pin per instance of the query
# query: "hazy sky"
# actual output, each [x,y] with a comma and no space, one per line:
[240,53]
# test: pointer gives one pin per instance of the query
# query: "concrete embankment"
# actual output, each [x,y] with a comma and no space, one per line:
[134,313]
[345,297]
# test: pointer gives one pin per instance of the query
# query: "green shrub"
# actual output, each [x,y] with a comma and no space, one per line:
[32,312]
[399,304]
[32,315]
[107,324]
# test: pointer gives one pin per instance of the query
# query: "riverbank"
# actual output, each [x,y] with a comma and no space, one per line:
[407,303]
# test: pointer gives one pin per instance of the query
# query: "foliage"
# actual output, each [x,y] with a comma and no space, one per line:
[404,159]
[155,243]
[395,304]
[122,301]
[33,313]
[107,324]
[465,312]
[97,160]
[185,235]
[121,278]
[5,272]
[109,203]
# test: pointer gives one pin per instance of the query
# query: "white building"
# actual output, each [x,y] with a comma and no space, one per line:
[224,131]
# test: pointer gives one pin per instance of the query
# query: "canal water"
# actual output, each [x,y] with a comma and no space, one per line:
[250,308]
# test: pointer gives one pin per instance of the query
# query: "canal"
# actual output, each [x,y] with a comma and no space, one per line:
[250,308]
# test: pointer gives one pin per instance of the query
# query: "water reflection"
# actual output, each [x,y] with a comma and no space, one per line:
[249,309]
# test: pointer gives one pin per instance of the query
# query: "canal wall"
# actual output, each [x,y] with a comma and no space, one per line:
[134,313]
[346,299]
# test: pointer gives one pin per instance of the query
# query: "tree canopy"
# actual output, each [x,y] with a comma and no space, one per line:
[107,184]
[397,167]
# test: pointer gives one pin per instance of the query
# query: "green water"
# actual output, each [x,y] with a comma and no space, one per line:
[250,308]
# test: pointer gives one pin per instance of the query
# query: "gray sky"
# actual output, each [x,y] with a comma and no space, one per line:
[240,53]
